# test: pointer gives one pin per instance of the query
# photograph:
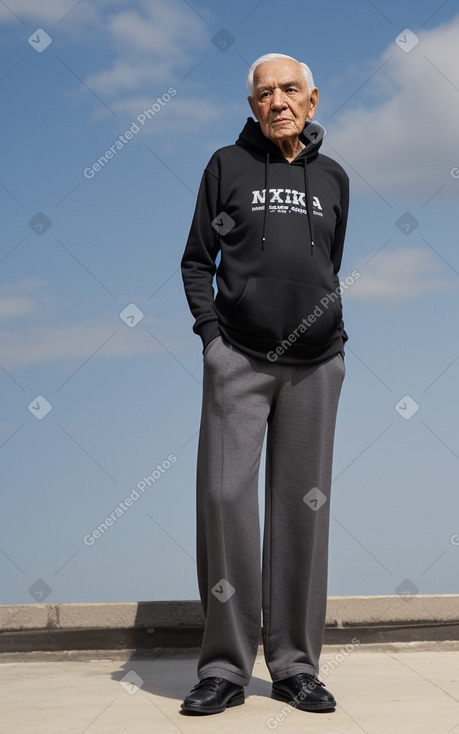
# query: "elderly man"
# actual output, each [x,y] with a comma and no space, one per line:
[275,210]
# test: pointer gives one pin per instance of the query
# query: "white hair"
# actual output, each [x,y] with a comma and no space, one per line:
[272,57]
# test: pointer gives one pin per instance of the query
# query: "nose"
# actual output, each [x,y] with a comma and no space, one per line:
[277,100]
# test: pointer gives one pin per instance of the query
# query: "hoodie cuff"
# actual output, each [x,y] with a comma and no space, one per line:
[208,331]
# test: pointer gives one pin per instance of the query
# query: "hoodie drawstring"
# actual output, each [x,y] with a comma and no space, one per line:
[263,238]
[308,202]
[307,199]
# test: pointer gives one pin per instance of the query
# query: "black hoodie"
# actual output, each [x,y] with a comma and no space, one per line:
[278,292]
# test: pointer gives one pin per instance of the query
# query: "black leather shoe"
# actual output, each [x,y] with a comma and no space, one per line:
[305,692]
[212,696]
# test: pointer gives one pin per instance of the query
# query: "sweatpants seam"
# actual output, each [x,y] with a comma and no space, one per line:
[268,452]
[268,652]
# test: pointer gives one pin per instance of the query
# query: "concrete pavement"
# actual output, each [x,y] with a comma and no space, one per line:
[392,688]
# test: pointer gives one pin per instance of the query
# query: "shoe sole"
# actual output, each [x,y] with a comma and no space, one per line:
[235,701]
[303,706]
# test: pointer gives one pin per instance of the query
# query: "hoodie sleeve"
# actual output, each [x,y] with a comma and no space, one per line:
[198,261]
[340,229]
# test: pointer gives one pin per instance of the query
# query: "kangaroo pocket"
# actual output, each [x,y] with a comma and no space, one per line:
[278,309]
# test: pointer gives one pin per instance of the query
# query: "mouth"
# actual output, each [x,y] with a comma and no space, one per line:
[282,121]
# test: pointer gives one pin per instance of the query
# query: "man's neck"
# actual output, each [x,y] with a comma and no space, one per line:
[291,148]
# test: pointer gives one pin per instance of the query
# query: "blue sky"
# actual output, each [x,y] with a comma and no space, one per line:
[123,394]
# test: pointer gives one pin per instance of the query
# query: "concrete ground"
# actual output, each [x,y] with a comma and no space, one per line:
[379,688]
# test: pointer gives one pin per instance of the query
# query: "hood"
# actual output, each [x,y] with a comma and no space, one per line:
[252,138]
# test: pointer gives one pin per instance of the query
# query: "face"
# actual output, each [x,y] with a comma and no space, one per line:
[281,100]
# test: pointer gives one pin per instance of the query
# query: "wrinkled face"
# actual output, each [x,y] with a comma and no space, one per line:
[281,100]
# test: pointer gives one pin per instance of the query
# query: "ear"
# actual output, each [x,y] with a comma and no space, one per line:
[313,102]
[251,102]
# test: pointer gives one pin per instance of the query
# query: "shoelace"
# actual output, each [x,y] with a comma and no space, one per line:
[309,678]
[211,683]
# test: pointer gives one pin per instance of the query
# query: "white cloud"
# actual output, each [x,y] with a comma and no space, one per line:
[121,76]
[19,306]
[147,48]
[165,28]
[49,12]
[407,144]
[32,331]
[35,344]
[399,275]
[174,116]
[153,42]
[26,297]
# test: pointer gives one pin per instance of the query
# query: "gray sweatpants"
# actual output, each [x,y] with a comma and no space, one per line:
[298,404]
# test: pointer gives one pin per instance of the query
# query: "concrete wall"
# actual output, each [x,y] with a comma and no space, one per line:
[122,625]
